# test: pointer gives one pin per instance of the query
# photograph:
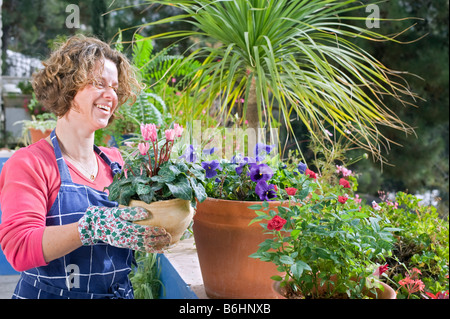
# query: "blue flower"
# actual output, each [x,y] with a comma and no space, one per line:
[211,168]
[260,172]
[189,154]
[261,150]
[245,161]
[301,167]
[265,191]
[209,151]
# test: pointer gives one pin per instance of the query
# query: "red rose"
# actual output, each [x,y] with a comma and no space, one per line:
[276,223]
[290,190]
[310,173]
[342,199]
[344,182]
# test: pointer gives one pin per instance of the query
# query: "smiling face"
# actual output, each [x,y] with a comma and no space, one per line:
[94,104]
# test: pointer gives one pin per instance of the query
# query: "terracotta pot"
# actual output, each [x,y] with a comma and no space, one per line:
[224,242]
[386,293]
[174,215]
[37,135]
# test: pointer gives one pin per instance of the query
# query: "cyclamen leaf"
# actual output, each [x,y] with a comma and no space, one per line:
[181,188]
[142,189]
[125,195]
[199,189]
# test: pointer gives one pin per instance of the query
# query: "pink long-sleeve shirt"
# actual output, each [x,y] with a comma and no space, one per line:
[29,184]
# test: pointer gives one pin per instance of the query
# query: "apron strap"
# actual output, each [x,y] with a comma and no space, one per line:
[64,169]
[62,166]
[115,167]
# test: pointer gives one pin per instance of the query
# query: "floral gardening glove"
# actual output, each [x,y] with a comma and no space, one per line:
[115,226]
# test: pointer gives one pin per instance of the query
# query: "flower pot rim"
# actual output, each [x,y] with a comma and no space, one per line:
[160,201]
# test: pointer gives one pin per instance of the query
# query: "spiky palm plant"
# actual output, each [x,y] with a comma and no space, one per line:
[297,55]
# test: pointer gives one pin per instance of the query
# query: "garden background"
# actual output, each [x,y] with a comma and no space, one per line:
[420,165]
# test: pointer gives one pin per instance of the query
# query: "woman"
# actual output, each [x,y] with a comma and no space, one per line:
[58,226]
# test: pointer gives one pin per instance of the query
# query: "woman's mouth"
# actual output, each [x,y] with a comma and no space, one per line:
[103,107]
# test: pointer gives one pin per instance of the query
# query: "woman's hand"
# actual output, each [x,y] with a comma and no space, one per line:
[115,226]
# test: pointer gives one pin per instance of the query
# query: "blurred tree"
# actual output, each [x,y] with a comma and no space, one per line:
[423,162]
[29,26]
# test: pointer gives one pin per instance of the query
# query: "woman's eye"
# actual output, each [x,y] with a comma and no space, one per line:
[97,84]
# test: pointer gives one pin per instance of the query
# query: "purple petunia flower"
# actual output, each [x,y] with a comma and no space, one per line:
[260,172]
[211,168]
[265,191]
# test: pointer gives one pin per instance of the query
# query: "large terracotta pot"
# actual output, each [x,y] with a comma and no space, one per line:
[386,293]
[37,135]
[174,215]
[224,242]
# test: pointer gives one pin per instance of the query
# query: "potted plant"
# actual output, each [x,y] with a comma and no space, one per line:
[326,244]
[39,127]
[223,237]
[168,188]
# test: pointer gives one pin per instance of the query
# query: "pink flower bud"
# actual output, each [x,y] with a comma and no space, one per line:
[170,134]
[143,148]
[149,132]
[178,129]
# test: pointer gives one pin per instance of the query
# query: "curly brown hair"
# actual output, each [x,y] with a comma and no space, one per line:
[71,67]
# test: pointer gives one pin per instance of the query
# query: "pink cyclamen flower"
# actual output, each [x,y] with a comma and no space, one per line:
[143,148]
[149,132]
[170,134]
[178,129]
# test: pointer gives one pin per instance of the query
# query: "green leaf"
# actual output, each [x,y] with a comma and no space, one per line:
[276,278]
[181,188]
[286,260]
[148,198]
[199,189]
[142,189]
[298,267]
[295,233]
[125,195]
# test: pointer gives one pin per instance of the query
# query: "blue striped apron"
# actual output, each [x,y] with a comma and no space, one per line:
[89,272]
